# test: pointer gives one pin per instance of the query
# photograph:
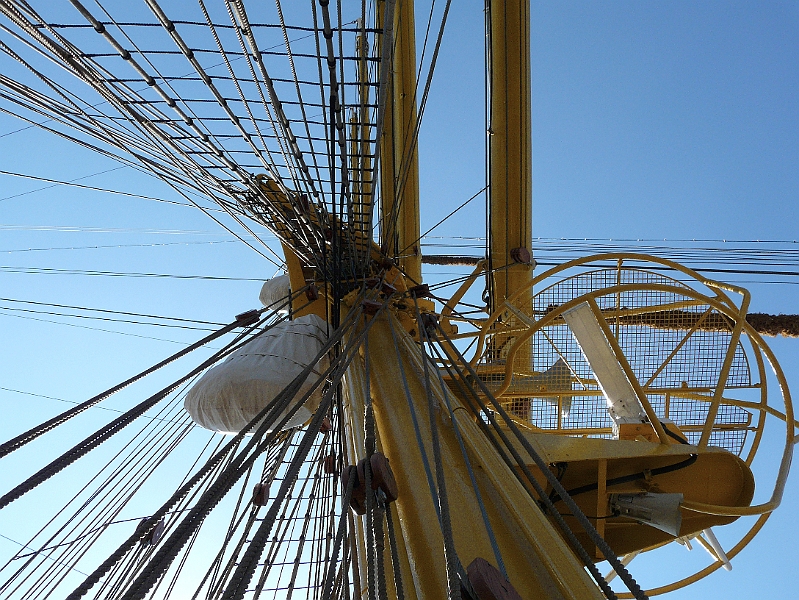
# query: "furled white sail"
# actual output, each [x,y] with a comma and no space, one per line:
[275,293]
[231,394]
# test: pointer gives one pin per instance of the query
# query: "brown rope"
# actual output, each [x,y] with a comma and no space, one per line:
[774,325]
[764,324]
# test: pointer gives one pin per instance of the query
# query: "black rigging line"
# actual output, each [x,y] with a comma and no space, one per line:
[51,271]
[71,183]
[462,205]
[414,138]
[5,537]
[54,182]
[114,246]
[109,319]
[162,138]
[114,312]
[243,320]
[115,410]
[145,337]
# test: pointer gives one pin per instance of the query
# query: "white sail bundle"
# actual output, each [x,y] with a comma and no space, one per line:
[231,394]
[276,293]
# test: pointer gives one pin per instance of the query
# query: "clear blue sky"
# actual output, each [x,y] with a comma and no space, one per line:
[651,120]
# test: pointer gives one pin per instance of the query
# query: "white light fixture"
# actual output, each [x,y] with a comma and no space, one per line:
[661,511]
[623,404]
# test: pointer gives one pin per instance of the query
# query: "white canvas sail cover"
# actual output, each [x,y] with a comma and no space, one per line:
[231,394]
[275,292]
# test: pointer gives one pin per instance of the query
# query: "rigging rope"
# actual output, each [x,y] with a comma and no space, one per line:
[101,435]
[553,481]
[243,320]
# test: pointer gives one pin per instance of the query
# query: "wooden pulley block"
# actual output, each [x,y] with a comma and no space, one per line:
[382,475]
[155,533]
[358,498]
[329,464]
[370,307]
[387,288]
[378,282]
[420,291]
[385,263]
[521,255]
[326,425]
[488,583]
[260,494]
[312,293]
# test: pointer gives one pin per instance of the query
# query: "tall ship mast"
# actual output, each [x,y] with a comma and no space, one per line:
[369,431]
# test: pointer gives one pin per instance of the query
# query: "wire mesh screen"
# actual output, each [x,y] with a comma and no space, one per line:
[675,345]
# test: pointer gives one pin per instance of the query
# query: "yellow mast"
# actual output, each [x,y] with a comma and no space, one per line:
[510,148]
[399,169]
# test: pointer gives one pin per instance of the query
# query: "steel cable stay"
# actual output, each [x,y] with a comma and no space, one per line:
[114,559]
[552,480]
[155,168]
[124,573]
[302,103]
[216,77]
[145,165]
[99,318]
[271,460]
[206,189]
[120,312]
[246,320]
[65,93]
[130,464]
[247,565]
[79,551]
[454,568]
[411,138]
[212,575]
[445,394]
[239,17]
[188,53]
[102,434]
[117,246]
[315,500]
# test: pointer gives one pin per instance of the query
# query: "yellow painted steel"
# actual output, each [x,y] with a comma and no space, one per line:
[716,472]
[510,146]
[300,305]
[538,562]
[354,407]
[399,163]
